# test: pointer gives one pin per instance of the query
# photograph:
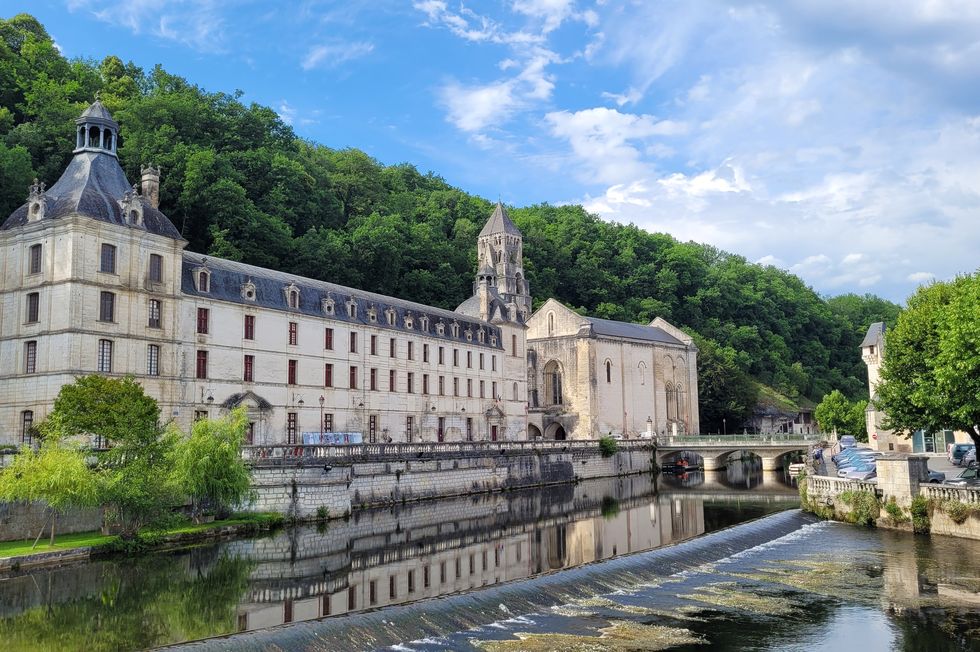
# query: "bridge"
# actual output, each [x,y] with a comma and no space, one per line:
[714,450]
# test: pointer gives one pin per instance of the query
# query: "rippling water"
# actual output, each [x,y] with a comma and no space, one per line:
[618,564]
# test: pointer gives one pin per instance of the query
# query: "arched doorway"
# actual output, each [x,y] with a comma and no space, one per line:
[559,434]
[533,432]
[556,432]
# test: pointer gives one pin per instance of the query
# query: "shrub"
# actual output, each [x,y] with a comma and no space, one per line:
[864,505]
[920,514]
[608,446]
[958,512]
[322,513]
[895,512]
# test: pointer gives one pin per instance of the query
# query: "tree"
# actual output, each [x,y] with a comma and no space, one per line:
[135,469]
[56,474]
[837,414]
[727,394]
[930,376]
[208,466]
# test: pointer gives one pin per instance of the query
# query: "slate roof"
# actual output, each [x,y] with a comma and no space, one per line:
[499,222]
[875,333]
[97,111]
[498,309]
[612,328]
[92,185]
[228,277]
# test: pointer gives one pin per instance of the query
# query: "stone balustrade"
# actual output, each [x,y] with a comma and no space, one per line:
[949,492]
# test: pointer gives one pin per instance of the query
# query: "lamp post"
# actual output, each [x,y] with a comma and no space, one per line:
[724,425]
[321,418]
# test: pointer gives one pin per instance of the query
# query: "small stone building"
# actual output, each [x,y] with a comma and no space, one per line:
[590,377]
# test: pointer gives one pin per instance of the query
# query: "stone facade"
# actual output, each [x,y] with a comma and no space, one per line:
[95,279]
[591,377]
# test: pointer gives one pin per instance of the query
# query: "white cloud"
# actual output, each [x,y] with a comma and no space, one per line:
[475,108]
[330,55]
[286,112]
[199,24]
[921,277]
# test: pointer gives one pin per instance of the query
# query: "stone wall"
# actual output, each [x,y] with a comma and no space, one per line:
[301,490]
[22,521]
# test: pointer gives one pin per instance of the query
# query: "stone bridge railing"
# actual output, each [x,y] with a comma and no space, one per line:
[738,441]
[950,492]
[314,454]
[822,486]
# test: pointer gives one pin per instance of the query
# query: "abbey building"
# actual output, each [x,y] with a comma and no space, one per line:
[96,279]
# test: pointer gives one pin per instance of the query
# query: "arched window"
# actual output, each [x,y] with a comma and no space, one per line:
[552,384]
[203,282]
[94,136]
[642,368]
[551,323]
[608,371]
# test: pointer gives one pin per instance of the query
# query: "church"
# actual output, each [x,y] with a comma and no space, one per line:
[97,280]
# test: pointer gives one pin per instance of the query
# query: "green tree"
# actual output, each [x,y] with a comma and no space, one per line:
[930,377]
[135,470]
[837,414]
[727,394]
[208,466]
[56,474]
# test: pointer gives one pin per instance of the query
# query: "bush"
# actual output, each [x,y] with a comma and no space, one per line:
[864,505]
[920,514]
[895,512]
[608,446]
[322,513]
[958,512]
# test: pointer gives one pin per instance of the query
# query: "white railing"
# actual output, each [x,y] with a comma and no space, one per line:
[299,452]
[714,441]
[950,492]
[822,485]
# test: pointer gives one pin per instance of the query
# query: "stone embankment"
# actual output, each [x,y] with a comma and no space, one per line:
[304,481]
[901,499]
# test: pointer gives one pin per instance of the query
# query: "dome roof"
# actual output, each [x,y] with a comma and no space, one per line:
[96,112]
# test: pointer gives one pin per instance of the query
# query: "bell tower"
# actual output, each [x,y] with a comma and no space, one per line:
[501,248]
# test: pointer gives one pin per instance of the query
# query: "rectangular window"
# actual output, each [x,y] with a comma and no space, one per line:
[513,345]
[469,359]
[409,428]
[442,355]
[392,386]
[373,428]
[374,345]
[203,315]
[472,563]
[442,385]
[425,353]
[481,362]
[291,372]
[293,333]
[455,357]
[328,375]
[426,582]
[425,383]
[154,310]
[27,426]
[105,356]
[411,351]
[107,261]
[353,342]
[33,307]
[291,426]
[459,568]
[441,429]
[469,428]
[411,383]
[352,380]
[107,306]
[411,581]
[328,339]
[455,386]
[249,371]
[442,572]
[483,387]
[328,422]
[373,592]
[202,364]
[392,348]
[469,387]
[493,363]
[352,598]
[152,360]
[249,327]
[392,594]
[156,268]
[30,357]
[200,415]
[493,390]
[35,258]
[373,384]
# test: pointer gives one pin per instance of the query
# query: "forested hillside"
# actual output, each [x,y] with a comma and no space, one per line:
[239,184]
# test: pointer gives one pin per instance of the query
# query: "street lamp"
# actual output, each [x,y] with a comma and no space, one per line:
[724,425]
[321,418]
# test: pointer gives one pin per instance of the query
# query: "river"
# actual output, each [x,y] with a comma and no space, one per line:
[633,563]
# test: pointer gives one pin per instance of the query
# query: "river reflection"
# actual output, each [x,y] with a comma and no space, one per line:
[377,558]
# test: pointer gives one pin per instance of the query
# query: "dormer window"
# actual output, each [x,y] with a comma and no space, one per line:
[409,320]
[328,305]
[493,340]
[469,335]
[441,328]
[455,329]
[352,309]
[424,324]
[36,202]
[482,336]
[372,314]
[203,280]
[292,296]
[390,313]
[248,290]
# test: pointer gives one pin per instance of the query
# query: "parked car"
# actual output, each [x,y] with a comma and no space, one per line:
[863,473]
[970,457]
[848,441]
[966,478]
[846,472]
[935,477]
[957,451]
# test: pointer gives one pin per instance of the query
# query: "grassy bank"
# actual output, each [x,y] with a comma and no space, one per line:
[146,540]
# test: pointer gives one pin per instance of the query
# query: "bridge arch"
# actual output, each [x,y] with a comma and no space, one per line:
[715,457]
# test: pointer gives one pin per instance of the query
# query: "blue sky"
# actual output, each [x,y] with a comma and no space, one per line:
[837,139]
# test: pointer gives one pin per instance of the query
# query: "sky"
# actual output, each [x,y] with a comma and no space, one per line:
[838,140]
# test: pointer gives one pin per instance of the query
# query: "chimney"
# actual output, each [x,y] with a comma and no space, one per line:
[151,185]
